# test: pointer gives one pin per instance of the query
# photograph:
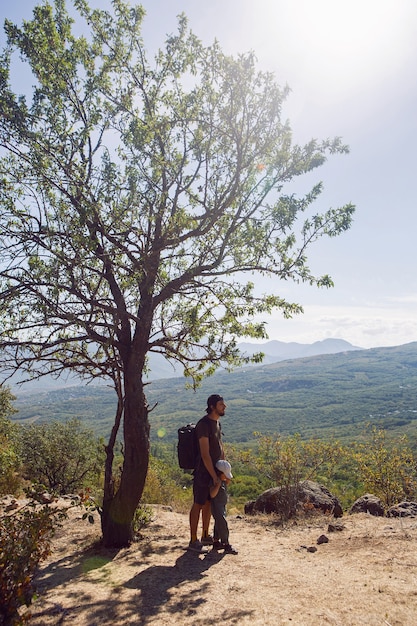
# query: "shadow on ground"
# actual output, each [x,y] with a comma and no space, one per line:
[159,589]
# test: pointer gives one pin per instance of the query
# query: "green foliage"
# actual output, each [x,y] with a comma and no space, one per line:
[64,457]
[9,445]
[155,194]
[386,466]
[6,402]
[25,536]
[344,483]
[168,484]
[287,461]
[321,396]
[143,517]
[244,487]
[10,464]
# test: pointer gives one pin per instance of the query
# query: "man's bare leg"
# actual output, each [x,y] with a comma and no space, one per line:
[206,517]
[194,517]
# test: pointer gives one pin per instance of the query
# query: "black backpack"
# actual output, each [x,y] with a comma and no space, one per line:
[188,449]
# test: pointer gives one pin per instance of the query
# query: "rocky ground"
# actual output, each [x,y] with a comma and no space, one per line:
[365,574]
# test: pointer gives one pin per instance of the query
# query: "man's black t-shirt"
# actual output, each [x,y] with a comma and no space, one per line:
[207,427]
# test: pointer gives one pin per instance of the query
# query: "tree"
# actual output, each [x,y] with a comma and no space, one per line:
[139,200]
[63,457]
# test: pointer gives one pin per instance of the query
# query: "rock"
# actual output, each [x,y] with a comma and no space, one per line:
[46,498]
[309,495]
[270,501]
[322,539]
[12,506]
[332,528]
[317,495]
[312,549]
[403,509]
[368,504]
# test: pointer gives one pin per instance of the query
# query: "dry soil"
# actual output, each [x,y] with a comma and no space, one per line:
[364,575]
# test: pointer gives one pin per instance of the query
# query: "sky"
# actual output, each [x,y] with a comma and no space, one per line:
[351,67]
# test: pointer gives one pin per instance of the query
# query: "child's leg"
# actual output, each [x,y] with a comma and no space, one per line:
[218,509]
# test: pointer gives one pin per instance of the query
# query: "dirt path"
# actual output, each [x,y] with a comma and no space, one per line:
[365,574]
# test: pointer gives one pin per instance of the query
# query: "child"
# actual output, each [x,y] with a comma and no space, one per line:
[218,495]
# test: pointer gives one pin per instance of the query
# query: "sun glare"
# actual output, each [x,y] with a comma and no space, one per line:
[346,42]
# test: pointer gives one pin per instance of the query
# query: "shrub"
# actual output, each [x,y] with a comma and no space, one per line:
[25,535]
[65,457]
[142,518]
[386,466]
[166,484]
[287,461]
[9,446]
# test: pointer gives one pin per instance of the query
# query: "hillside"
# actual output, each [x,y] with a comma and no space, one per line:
[315,396]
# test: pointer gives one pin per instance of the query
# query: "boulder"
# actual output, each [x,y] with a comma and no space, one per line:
[403,509]
[368,504]
[322,539]
[309,495]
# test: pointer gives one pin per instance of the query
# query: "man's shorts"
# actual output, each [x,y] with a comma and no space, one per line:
[201,487]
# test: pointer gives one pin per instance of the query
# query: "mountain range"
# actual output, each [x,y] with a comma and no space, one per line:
[160,368]
[275,351]
[323,395]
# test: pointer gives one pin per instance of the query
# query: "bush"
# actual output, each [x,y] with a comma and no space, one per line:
[386,466]
[166,484]
[287,461]
[65,457]
[242,489]
[9,446]
[25,536]
[142,518]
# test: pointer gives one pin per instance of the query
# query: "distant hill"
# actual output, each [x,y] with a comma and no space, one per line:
[321,395]
[160,368]
[280,351]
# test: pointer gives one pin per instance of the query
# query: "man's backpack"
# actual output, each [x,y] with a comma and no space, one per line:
[188,449]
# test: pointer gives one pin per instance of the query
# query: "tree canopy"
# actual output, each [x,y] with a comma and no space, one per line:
[141,197]
[137,195]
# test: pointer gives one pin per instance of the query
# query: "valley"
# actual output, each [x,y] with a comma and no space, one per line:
[317,396]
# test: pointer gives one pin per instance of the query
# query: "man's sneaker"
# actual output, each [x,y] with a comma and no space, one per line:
[197,546]
[207,541]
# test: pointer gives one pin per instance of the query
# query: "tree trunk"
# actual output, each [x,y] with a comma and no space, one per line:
[119,509]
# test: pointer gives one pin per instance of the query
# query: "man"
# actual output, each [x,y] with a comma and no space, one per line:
[208,433]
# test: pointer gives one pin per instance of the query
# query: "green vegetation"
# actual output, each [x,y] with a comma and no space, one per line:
[386,466]
[324,396]
[64,457]
[9,444]
[287,461]
[25,536]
